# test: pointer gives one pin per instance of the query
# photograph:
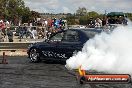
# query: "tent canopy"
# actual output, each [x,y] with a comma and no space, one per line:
[112,14]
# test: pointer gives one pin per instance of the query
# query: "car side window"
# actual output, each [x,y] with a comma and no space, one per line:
[71,36]
[57,37]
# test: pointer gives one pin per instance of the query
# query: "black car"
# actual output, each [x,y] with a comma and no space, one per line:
[61,45]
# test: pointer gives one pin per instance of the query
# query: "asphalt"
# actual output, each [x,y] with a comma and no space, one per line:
[21,73]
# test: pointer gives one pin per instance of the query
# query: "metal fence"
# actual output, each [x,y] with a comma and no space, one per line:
[7,46]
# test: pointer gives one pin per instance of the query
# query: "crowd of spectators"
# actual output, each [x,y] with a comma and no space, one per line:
[38,29]
[97,23]
[5,31]
[43,28]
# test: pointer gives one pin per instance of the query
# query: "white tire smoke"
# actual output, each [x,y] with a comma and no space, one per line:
[110,53]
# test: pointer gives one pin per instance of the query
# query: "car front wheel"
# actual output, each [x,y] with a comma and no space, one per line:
[34,55]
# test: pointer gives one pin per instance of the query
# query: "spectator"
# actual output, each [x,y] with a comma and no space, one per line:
[98,23]
[91,23]
[111,20]
[7,24]
[120,20]
[10,35]
[28,33]
[1,36]
[25,30]
[125,21]
[3,27]
[34,32]
[21,33]
[104,21]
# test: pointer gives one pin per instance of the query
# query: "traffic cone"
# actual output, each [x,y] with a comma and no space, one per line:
[4,61]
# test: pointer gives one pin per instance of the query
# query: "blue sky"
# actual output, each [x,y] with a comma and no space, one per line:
[70,6]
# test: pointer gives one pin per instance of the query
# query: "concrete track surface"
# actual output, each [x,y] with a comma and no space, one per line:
[21,73]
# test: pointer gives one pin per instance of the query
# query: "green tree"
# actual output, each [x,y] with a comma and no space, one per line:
[81,11]
[93,14]
[129,16]
[3,10]
[15,10]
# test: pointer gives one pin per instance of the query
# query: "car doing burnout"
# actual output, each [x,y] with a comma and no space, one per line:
[61,45]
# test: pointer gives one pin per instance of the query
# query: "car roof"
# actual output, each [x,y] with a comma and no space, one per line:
[80,30]
[88,29]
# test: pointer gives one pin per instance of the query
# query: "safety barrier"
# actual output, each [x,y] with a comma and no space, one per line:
[14,45]
[14,48]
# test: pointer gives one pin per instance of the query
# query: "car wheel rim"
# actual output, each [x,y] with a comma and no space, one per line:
[34,55]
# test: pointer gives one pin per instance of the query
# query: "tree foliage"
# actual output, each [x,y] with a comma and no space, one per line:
[129,16]
[84,16]
[15,11]
[81,11]
[93,14]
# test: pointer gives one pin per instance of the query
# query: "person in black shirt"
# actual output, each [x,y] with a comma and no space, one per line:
[10,35]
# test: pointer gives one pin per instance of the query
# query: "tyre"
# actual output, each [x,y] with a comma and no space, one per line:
[34,55]
[82,80]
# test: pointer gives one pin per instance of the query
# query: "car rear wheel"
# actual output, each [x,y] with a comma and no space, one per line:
[82,80]
[34,55]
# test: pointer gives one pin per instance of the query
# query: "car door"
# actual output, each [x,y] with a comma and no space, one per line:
[48,48]
[69,43]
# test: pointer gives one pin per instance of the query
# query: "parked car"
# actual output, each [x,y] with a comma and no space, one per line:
[61,45]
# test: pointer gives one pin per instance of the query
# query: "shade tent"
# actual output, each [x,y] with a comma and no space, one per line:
[112,14]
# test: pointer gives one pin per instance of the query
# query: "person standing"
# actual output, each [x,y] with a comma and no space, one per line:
[10,35]
[21,33]
[3,27]
[105,22]
[34,32]
[98,23]
[1,36]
